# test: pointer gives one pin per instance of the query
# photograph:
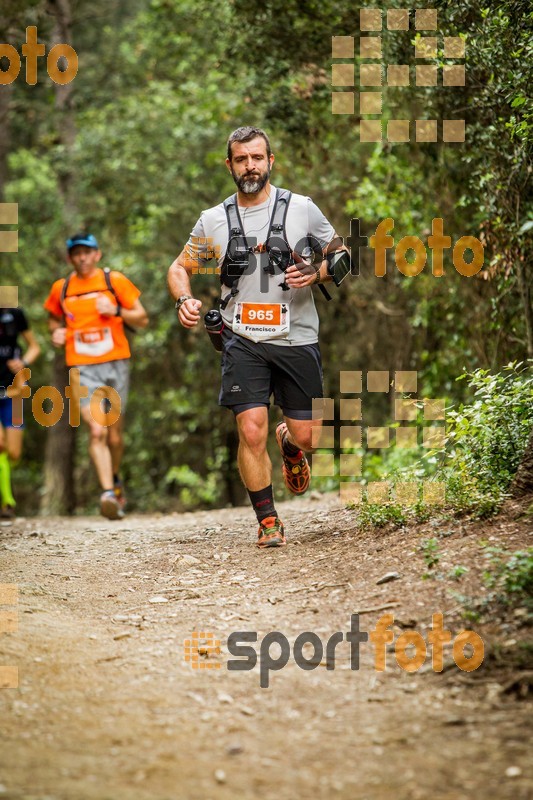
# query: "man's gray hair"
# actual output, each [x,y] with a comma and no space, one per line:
[246,134]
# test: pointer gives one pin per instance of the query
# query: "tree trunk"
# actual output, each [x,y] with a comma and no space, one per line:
[59,495]
[523,480]
[66,123]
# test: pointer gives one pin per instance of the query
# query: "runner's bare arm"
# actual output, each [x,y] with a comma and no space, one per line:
[56,326]
[135,316]
[31,354]
[179,285]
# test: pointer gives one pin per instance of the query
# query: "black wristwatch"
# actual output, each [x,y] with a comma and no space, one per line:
[180,301]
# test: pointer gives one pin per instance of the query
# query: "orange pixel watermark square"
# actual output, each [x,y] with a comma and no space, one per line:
[373,72]
[200,648]
[200,250]
[343,463]
[9,240]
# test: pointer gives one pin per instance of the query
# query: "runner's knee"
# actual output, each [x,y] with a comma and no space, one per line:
[253,432]
[98,433]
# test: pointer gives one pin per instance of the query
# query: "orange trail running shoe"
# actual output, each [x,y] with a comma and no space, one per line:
[271,533]
[296,471]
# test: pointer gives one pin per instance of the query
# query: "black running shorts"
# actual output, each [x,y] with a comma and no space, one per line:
[252,371]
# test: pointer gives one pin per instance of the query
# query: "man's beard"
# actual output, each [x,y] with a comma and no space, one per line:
[248,185]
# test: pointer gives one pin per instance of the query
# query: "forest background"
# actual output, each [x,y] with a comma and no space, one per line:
[133,148]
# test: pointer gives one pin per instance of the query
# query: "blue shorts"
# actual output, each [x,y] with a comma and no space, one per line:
[6,413]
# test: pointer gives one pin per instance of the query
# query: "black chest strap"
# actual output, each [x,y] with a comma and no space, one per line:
[236,259]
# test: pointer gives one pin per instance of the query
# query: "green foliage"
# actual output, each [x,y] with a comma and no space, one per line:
[481,189]
[457,573]
[430,551]
[510,576]
[486,438]
[193,490]
[161,84]
[379,515]
[402,179]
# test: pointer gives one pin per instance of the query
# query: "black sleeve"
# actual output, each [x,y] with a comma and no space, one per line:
[20,319]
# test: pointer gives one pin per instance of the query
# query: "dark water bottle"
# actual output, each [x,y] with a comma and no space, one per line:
[214,325]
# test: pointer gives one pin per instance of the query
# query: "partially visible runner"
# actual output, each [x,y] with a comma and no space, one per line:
[269,320]
[88,311]
[13,322]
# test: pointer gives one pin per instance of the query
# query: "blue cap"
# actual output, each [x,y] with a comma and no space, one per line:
[84,239]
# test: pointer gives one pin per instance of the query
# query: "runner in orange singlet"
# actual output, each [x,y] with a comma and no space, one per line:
[88,311]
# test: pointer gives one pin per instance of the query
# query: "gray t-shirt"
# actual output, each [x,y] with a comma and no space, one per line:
[304,218]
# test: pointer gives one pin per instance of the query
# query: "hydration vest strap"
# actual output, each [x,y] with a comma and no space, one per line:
[235,229]
[234,291]
[279,214]
[233,217]
[110,288]
[64,292]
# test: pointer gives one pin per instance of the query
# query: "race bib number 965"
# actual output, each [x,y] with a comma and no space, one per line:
[261,321]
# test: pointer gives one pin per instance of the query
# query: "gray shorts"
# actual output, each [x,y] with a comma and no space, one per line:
[113,373]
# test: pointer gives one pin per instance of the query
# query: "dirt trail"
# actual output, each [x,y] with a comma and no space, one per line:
[107,708]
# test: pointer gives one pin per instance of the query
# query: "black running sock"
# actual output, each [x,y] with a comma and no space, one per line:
[289,448]
[263,503]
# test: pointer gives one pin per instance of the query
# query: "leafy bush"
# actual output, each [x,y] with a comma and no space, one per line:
[487,438]
[378,515]
[509,579]
[485,441]
[510,575]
